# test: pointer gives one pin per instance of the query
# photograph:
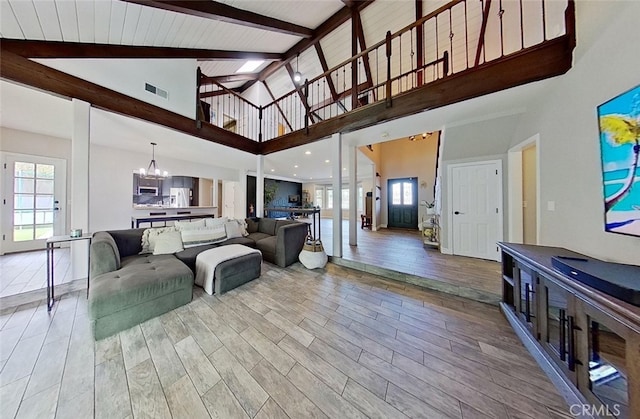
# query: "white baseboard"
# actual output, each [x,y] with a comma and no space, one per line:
[383,226]
[446,250]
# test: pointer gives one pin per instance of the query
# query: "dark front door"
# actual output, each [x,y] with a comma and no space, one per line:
[403,203]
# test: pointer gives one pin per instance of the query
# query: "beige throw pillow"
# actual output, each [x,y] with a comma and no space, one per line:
[233,229]
[168,243]
[149,237]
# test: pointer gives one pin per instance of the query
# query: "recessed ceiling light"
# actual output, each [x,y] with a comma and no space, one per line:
[326,161]
[344,168]
[310,178]
[295,165]
[330,175]
[307,152]
[250,66]
[295,174]
[273,170]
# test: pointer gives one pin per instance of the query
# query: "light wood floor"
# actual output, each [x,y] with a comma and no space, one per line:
[403,251]
[294,343]
[27,271]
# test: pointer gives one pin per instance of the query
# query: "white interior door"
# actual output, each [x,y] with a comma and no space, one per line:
[33,201]
[229,198]
[476,209]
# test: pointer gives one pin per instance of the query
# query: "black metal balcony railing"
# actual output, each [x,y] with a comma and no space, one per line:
[459,36]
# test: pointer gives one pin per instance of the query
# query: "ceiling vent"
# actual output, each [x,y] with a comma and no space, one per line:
[156,91]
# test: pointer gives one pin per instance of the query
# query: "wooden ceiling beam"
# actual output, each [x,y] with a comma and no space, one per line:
[219,11]
[325,68]
[266,86]
[25,71]
[228,78]
[57,49]
[320,32]
[363,47]
[298,88]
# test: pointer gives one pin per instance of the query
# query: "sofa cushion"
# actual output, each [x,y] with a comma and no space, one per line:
[128,241]
[256,237]
[268,248]
[267,226]
[252,225]
[188,256]
[141,279]
[240,240]
[280,223]
[233,229]
[104,254]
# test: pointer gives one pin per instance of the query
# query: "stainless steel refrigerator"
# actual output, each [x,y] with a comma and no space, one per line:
[180,197]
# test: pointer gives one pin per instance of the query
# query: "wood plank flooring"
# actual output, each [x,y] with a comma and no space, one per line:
[294,343]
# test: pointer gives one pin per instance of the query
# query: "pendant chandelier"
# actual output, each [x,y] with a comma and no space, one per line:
[297,76]
[153,171]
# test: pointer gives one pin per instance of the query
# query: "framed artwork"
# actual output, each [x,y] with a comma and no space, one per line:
[619,122]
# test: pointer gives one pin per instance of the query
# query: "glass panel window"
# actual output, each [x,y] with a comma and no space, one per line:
[22,233]
[319,196]
[407,193]
[329,198]
[44,201]
[22,201]
[44,171]
[22,185]
[360,198]
[22,169]
[21,218]
[43,232]
[44,186]
[345,199]
[395,194]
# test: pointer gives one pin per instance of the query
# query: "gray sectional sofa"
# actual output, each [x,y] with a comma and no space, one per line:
[127,288]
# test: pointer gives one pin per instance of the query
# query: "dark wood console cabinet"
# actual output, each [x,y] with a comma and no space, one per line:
[586,341]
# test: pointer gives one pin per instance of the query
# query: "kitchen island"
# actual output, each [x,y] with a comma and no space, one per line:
[156,213]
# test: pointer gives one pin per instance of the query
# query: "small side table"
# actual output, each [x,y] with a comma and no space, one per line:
[50,260]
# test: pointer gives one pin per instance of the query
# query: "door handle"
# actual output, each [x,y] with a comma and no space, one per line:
[458,212]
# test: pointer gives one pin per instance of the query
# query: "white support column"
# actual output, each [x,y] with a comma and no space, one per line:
[353,196]
[240,196]
[79,202]
[336,159]
[260,186]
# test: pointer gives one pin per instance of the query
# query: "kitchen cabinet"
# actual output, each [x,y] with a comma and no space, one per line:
[588,342]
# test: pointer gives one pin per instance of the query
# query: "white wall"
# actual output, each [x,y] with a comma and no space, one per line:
[128,76]
[111,169]
[570,174]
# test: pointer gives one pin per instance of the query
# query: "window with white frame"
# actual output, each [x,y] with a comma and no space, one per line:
[319,197]
[329,198]
[360,198]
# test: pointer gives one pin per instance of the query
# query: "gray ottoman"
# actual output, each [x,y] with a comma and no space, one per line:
[244,266]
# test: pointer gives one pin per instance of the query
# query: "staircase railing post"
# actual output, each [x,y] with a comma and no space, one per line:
[445,63]
[260,124]
[307,107]
[388,84]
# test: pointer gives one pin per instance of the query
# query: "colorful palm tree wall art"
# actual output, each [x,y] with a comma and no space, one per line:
[619,121]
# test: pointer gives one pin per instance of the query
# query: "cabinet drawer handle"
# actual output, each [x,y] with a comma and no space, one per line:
[563,335]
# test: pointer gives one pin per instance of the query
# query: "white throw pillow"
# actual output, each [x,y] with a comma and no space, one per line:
[233,229]
[205,235]
[215,222]
[168,243]
[189,225]
[149,237]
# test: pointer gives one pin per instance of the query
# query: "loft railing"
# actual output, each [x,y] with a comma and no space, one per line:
[457,37]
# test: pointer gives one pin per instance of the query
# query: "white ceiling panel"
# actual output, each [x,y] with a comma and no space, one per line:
[155,27]
[26,14]
[101,21]
[174,29]
[166,24]
[8,23]
[131,17]
[383,16]
[83,22]
[337,45]
[144,21]
[116,25]
[48,17]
